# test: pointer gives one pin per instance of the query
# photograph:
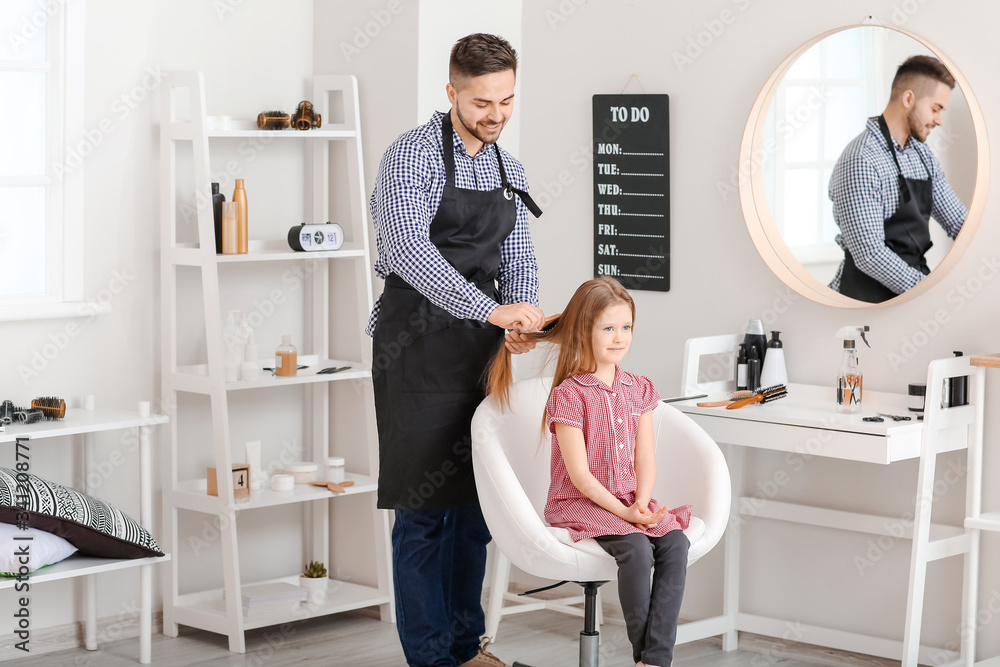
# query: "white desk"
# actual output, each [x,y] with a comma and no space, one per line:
[806,422]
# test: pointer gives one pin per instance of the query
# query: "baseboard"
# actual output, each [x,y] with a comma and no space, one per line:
[71,635]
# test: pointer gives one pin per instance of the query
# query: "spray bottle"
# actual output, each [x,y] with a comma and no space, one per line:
[850,379]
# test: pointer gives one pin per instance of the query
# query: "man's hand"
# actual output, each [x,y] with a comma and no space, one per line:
[518,343]
[521,317]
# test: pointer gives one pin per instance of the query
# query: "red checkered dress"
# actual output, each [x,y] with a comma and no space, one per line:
[609,418]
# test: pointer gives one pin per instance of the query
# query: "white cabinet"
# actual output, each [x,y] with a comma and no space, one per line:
[86,423]
[333,180]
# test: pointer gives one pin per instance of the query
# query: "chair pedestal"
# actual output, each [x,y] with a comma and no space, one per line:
[590,638]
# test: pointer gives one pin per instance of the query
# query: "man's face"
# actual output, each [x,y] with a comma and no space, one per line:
[927,112]
[484,104]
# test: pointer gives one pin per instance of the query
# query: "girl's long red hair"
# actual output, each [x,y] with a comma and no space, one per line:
[572,331]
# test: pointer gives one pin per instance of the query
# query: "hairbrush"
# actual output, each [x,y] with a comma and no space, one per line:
[273,120]
[732,397]
[53,407]
[765,395]
[305,118]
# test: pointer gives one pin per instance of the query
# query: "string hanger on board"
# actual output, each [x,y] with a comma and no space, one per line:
[635,75]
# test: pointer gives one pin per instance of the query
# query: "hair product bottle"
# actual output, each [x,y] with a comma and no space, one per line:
[773,372]
[240,197]
[741,368]
[286,361]
[217,199]
[230,228]
[753,369]
[234,346]
[850,379]
[755,338]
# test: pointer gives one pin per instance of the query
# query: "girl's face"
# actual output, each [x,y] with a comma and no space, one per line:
[612,334]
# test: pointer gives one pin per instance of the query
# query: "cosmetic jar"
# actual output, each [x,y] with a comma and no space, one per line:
[335,469]
[916,392]
[281,482]
[303,471]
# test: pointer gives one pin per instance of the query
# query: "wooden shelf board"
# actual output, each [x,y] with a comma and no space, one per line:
[76,566]
[79,421]
[193,495]
[986,360]
[341,596]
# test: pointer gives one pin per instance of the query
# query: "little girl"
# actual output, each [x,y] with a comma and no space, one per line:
[604,465]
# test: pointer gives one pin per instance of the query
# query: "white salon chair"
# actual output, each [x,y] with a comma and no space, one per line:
[510,454]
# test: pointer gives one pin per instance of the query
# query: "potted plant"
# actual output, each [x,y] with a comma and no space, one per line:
[313,579]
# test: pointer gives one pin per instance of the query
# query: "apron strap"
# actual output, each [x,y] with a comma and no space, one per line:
[508,189]
[448,144]
[892,151]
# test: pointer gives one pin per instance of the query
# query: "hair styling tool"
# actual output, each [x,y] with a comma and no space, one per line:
[895,418]
[273,120]
[733,396]
[305,118]
[53,407]
[765,395]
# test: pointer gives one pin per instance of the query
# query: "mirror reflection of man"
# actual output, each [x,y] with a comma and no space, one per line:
[887,184]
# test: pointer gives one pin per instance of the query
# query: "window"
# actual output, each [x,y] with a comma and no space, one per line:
[820,106]
[41,198]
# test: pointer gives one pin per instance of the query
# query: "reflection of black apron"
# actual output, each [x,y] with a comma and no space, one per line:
[428,381]
[907,233]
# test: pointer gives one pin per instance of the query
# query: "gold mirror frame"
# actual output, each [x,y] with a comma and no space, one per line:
[757,211]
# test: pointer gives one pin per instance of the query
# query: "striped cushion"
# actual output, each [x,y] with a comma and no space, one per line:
[92,526]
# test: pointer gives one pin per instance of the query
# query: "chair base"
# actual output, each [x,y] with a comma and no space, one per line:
[590,638]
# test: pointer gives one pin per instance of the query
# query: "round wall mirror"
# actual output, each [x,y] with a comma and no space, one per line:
[813,105]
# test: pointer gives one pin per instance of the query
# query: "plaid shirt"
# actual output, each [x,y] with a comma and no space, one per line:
[864,189]
[405,199]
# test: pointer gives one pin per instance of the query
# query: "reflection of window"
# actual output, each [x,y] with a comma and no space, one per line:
[819,107]
[41,213]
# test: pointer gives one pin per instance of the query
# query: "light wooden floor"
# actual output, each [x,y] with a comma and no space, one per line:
[542,639]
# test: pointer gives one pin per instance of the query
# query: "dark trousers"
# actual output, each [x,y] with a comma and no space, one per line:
[438,565]
[650,615]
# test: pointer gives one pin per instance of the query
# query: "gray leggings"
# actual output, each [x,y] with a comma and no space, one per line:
[650,615]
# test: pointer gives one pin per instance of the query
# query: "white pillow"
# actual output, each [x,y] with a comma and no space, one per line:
[43,548]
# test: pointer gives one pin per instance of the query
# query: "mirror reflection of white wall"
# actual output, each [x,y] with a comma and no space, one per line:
[818,108]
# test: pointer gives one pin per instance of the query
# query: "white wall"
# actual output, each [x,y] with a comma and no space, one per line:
[573,50]
[441,24]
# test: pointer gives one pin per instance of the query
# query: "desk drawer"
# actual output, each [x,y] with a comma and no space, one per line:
[814,441]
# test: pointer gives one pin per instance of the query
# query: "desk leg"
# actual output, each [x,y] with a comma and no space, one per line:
[919,554]
[731,576]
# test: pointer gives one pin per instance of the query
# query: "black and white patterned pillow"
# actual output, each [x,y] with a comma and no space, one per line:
[92,526]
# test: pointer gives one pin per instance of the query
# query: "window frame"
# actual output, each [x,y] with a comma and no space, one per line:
[64,201]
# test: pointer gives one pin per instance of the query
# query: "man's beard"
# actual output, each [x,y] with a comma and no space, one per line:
[476,132]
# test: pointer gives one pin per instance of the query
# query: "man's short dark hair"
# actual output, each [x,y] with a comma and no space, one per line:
[916,72]
[480,54]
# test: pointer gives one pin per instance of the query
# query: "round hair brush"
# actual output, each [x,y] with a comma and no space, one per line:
[54,408]
[273,120]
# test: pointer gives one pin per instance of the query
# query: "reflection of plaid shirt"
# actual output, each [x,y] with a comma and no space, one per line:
[864,189]
[405,200]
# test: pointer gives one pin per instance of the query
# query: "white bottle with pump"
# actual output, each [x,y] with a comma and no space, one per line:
[850,379]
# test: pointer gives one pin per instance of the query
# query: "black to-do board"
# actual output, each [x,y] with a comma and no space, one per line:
[632,190]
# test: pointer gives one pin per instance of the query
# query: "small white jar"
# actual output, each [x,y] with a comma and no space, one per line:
[282,482]
[303,471]
[335,469]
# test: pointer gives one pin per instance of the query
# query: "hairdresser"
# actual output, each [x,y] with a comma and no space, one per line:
[450,209]
[887,184]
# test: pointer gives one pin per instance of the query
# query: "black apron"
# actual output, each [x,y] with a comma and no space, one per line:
[428,365]
[907,233]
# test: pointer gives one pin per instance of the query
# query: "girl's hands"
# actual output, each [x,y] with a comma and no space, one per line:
[641,517]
